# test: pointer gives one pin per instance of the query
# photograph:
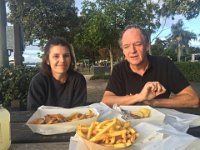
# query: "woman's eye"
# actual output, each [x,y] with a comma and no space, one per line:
[67,55]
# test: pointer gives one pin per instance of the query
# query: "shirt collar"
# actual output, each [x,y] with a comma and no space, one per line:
[149,57]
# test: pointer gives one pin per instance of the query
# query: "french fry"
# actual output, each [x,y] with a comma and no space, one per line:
[111,133]
[90,130]
[103,123]
[118,133]
[120,145]
[80,133]
[98,136]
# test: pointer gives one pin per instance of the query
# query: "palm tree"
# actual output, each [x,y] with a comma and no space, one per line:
[180,39]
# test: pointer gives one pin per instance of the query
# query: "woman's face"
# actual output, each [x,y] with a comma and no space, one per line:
[59,59]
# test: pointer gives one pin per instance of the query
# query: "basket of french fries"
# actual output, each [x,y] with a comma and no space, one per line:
[109,134]
[60,120]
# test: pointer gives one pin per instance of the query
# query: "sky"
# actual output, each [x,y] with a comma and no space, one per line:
[30,53]
[191,25]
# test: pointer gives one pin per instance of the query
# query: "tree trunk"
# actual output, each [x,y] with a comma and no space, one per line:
[18,45]
[73,54]
[150,52]
[179,52]
[4,62]
[111,59]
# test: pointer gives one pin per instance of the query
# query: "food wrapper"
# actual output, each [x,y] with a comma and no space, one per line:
[179,120]
[105,112]
[58,128]
[91,146]
[156,117]
[151,137]
[147,134]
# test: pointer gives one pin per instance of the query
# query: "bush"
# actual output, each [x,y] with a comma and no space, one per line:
[191,70]
[14,83]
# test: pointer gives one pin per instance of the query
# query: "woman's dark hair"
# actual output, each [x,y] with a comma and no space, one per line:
[45,68]
[144,33]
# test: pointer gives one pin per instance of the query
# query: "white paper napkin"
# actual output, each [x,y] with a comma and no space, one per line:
[180,121]
[175,140]
[105,112]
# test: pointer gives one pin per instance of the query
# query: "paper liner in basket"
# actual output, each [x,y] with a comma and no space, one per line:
[94,146]
[148,134]
[58,128]
[156,117]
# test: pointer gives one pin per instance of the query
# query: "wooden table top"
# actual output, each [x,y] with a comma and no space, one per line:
[41,146]
[23,138]
[20,132]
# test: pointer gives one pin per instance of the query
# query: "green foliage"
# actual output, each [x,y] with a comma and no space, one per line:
[189,8]
[158,47]
[176,46]
[14,83]
[43,19]
[103,20]
[180,39]
[190,70]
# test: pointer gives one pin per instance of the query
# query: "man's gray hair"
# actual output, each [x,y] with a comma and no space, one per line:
[144,33]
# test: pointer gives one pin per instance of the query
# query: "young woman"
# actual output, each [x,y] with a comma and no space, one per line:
[57,84]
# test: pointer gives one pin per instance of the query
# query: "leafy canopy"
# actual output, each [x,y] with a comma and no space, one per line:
[43,19]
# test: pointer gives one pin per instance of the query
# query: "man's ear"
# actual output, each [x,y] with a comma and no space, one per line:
[148,46]
[47,62]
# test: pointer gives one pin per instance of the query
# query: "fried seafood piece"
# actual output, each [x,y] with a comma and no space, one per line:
[141,113]
[59,118]
[80,116]
[54,118]
[38,121]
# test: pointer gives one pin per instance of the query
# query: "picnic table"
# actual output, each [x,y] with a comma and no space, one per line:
[23,138]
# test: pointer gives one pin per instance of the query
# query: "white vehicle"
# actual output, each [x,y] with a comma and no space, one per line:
[195,57]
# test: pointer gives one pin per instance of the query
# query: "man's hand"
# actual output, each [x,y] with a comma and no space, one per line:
[151,90]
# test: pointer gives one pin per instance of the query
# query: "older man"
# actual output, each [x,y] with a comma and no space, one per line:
[146,79]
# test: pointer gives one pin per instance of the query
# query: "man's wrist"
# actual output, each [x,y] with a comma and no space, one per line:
[153,103]
[138,98]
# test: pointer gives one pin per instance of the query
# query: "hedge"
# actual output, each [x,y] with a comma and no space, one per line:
[14,83]
[191,70]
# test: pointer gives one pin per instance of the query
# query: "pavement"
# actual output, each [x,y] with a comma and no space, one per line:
[95,88]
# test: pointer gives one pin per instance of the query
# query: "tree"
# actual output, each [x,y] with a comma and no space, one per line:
[43,19]
[3,49]
[180,39]
[105,19]
[158,47]
[188,8]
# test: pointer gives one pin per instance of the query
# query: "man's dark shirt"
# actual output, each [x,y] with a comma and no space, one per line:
[124,81]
